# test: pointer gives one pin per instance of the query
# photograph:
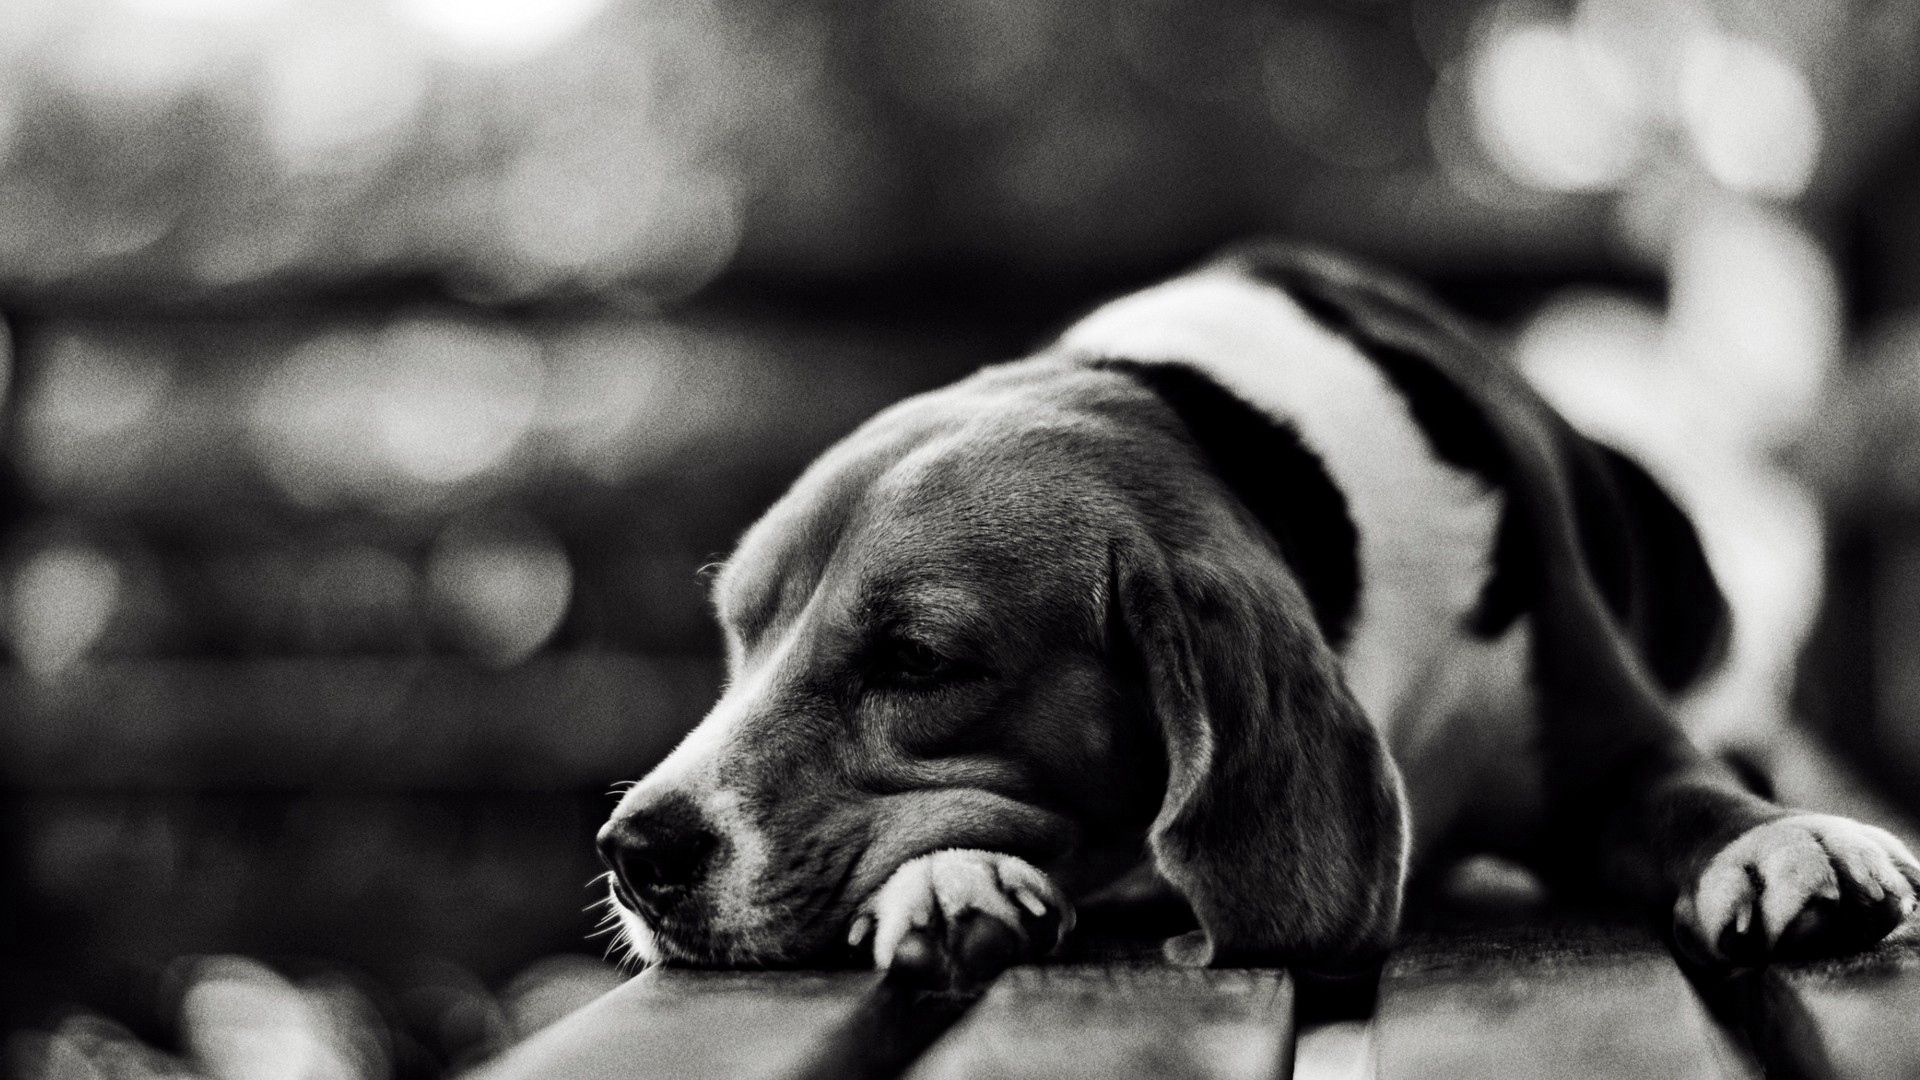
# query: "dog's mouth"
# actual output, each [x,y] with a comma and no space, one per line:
[801,915]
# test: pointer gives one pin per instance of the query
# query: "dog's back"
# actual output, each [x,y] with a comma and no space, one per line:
[1391,397]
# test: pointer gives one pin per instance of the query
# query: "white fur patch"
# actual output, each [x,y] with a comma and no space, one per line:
[1469,746]
[1426,529]
[738,877]
[691,771]
[633,942]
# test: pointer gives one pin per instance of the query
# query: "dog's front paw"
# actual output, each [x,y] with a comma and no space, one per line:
[1803,886]
[957,918]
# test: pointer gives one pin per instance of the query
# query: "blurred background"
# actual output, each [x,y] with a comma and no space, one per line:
[379,374]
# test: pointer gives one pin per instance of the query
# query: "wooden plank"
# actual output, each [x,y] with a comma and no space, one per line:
[1850,1019]
[1118,1020]
[1333,1050]
[691,1025]
[1587,1002]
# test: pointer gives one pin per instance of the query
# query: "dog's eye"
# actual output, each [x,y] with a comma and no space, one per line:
[913,663]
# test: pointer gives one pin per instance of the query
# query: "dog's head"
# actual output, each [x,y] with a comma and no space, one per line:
[1023,614]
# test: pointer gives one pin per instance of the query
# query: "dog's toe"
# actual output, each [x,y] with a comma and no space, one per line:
[956,918]
[1803,886]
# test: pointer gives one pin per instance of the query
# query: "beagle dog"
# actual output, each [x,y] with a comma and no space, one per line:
[1261,586]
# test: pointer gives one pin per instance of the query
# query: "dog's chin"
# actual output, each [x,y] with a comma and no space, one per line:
[634,942]
[643,943]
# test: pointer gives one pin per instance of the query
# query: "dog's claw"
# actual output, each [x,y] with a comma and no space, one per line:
[986,944]
[954,919]
[862,929]
[916,959]
[1803,886]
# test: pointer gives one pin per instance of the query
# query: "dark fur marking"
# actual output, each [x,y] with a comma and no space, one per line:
[1281,482]
[1458,428]
[1459,431]
[1640,548]
[1600,516]
[1622,776]
[1325,284]
[1684,620]
[1503,599]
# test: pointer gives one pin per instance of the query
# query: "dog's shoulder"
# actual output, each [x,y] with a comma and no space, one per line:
[1420,425]
[1641,548]
[1317,436]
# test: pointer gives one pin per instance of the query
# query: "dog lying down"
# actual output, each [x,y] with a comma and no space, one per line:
[1262,585]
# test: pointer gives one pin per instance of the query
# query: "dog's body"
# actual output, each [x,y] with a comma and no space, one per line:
[1268,576]
[1435,642]
[1425,545]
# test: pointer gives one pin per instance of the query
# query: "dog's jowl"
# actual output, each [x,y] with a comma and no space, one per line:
[1260,586]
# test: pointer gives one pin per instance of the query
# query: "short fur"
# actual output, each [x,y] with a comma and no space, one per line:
[1194,586]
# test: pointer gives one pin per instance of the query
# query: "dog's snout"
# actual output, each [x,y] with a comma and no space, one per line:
[658,852]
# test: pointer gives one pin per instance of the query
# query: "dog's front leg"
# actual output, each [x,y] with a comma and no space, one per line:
[1801,885]
[1746,880]
[1638,808]
[958,917]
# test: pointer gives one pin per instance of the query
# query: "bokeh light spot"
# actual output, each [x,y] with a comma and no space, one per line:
[454,397]
[1546,116]
[1750,115]
[399,416]
[310,420]
[224,12]
[604,206]
[34,1055]
[500,29]
[85,407]
[501,585]
[242,1021]
[336,89]
[61,599]
[1756,304]
[140,61]
[605,387]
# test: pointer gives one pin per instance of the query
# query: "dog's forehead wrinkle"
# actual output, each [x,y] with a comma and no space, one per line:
[760,579]
[968,482]
[783,557]
[952,595]
[930,603]
[982,513]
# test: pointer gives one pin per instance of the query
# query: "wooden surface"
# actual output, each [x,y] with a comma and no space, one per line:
[1122,1020]
[1550,997]
[692,1024]
[1591,1002]
[1852,1019]
[1862,1014]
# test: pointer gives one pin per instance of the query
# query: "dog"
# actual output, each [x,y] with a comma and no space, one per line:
[1260,587]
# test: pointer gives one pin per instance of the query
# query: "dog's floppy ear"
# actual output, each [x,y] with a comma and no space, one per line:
[1283,822]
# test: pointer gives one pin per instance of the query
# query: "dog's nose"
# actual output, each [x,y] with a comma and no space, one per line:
[658,852]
